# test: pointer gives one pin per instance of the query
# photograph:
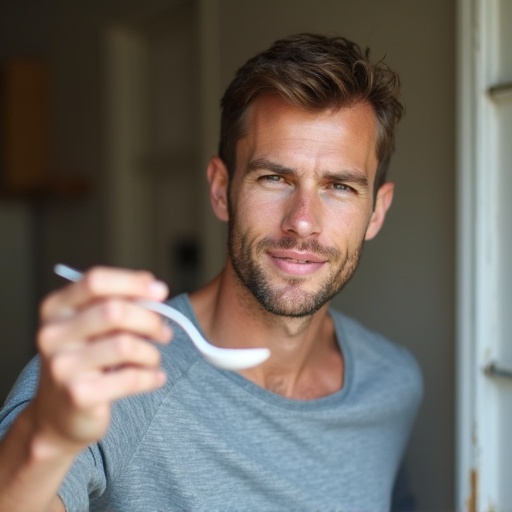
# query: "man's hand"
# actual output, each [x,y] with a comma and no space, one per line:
[94,349]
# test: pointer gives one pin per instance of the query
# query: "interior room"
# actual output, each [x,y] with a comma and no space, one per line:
[132,91]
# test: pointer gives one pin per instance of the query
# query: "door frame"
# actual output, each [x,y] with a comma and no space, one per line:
[466,476]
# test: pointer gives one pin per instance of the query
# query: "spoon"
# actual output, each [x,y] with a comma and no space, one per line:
[226,358]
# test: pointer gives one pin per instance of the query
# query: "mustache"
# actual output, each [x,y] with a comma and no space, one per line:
[288,243]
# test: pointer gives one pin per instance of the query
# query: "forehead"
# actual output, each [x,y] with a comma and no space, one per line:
[274,129]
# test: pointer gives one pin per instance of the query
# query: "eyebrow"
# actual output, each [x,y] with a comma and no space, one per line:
[345,176]
[263,163]
[348,176]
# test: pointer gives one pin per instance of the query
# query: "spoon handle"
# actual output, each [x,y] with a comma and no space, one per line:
[233,359]
[165,310]
[67,272]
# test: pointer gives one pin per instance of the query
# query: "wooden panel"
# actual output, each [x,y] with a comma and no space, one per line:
[25,143]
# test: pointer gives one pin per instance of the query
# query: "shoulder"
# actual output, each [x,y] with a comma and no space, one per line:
[370,343]
[178,357]
[372,355]
[132,417]
[20,395]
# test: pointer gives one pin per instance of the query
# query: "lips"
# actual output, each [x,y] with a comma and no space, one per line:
[299,257]
[296,262]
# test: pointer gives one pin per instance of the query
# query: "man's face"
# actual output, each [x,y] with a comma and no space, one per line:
[301,202]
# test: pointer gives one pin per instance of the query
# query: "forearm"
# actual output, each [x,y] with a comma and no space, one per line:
[31,469]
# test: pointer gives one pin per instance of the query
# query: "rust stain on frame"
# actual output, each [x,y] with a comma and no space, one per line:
[472,500]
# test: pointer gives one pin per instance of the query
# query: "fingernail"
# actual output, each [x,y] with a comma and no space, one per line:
[158,289]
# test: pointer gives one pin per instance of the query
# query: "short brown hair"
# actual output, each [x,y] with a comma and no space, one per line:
[314,72]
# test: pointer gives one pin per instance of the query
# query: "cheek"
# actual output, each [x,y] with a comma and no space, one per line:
[347,219]
[254,210]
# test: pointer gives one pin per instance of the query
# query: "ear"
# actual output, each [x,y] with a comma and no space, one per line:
[218,178]
[382,203]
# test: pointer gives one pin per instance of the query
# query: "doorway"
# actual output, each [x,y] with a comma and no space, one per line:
[160,87]
[484,252]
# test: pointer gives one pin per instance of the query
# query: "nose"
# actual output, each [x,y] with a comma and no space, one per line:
[302,214]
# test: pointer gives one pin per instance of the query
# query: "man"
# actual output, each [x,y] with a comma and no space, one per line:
[306,138]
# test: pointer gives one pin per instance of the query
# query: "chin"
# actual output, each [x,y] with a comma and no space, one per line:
[291,303]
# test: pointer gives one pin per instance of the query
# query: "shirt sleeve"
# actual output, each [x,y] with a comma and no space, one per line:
[86,477]
[23,391]
[85,481]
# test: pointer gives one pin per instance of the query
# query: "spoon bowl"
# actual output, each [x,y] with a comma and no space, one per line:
[226,358]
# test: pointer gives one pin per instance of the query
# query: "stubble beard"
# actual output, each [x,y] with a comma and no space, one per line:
[290,299]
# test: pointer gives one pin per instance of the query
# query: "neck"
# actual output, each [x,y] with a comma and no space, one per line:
[305,359]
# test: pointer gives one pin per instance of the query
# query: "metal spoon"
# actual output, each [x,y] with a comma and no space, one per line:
[227,358]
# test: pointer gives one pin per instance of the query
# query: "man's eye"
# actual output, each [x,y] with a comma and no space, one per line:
[342,187]
[273,178]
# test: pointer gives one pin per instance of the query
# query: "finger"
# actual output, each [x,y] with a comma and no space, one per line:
[101,282]
[100,319]
[111,352]
[90,392]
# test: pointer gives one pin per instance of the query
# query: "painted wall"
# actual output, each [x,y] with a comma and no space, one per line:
[23,32]
[405,287]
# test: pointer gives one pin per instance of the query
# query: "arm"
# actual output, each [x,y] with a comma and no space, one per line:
[93,347]
[29,478]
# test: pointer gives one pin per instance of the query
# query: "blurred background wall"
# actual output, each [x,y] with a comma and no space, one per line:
[134,90]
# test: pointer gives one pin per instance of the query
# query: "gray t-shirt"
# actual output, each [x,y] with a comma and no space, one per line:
[212,440]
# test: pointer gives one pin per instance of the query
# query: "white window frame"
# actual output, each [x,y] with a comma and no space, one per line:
[478,172]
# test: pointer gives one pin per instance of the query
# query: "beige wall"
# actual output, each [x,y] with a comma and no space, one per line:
[405,287]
